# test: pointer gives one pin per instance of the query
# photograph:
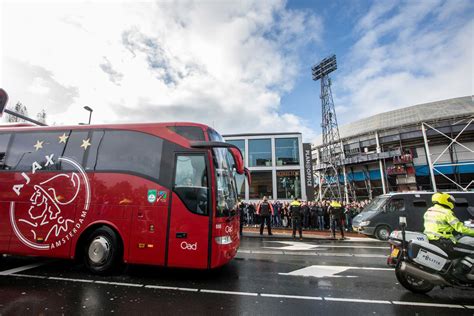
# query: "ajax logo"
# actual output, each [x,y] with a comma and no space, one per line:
[186,246]
[51,216]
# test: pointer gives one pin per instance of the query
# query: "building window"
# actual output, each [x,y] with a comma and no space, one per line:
[261,185]
[286,150]
[288,184]
[240,181]
[260,153]
[240,143]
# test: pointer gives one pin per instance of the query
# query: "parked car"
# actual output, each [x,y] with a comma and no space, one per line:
[380,217]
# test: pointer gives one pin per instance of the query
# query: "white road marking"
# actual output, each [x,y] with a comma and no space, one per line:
[186,289]
[295,245]
[316,254]
[323,271]
[292,245]
[268,295]
[316,298]
[23,268]
[101,282]
[159,287]
[229,292]
[355,300]
[126,284]
[31,276]
[427,304]
[73,280]
[352,247]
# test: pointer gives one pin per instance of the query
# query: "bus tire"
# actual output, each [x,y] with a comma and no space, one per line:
[382,232]
[102,251]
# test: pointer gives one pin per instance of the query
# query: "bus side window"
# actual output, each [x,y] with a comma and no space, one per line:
[73,149]
[190,182]
[4,139]
[130,152]
[28,148]
[396,205]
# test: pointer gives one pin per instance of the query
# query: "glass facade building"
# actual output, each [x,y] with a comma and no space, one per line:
[275,163]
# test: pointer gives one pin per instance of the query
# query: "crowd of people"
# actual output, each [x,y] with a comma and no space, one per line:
[314,215]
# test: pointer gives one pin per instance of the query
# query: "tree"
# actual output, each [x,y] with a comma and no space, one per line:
[41,116]
[20,109]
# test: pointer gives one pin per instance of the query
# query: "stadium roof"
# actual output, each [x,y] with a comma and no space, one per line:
[433,111]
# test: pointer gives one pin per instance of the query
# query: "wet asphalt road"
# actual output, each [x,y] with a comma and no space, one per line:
[269,276]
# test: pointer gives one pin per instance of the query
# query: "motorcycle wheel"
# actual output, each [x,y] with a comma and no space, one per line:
[412,283]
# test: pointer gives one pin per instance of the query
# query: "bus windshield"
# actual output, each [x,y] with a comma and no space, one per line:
[226,186]
[376,204]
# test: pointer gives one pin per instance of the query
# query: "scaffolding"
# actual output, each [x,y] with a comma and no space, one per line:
[433,159]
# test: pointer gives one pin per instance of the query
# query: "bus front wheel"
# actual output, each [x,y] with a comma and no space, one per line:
[102,251]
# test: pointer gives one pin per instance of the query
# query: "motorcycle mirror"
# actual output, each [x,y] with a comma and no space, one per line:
[403,220]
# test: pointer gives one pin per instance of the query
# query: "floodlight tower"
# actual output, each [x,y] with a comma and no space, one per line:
[332,153]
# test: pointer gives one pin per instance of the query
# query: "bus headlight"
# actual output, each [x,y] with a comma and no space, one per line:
[364,223]
[224,240]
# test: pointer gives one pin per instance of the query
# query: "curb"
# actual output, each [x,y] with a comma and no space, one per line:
[252,232]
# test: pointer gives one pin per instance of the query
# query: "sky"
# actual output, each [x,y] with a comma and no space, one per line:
[238,66]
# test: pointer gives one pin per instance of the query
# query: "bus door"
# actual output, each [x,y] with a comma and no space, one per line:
[188,243]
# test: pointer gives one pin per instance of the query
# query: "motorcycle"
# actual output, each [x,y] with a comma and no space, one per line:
[421,266]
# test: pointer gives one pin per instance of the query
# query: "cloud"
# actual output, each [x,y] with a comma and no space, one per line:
[36,85]
[114,75]
[409,54]
[225,64]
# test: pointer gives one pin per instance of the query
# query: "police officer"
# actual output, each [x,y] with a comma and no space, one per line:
[296,217]
[241,208]
[440,223]
[265,210]
[336,215]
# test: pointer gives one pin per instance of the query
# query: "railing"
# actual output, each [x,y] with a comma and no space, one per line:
[364,158]
[403,159]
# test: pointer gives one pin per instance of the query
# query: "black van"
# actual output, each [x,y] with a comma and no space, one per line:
[380,217]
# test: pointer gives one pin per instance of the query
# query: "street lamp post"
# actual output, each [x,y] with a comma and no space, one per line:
[90,113]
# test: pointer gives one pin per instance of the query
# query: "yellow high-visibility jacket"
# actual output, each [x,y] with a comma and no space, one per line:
[440,222]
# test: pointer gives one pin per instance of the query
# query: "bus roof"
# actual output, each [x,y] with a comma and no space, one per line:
[158,129]
[23,124]
[93,126]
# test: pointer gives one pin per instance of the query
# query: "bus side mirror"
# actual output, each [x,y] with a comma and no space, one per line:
[238,160]
[248,176]
[3,100]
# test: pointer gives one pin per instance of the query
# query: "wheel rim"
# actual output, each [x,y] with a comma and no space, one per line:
[99,250]
[383,233]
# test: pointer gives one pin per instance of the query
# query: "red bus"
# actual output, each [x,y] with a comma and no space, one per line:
[160,194]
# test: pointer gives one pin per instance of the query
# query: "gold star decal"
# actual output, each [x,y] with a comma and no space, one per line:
[86,143]
[38,145]
[63,138]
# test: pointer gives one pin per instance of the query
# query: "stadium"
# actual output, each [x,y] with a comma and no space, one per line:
[421,147]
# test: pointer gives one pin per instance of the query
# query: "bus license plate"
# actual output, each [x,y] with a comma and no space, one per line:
[395,252]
